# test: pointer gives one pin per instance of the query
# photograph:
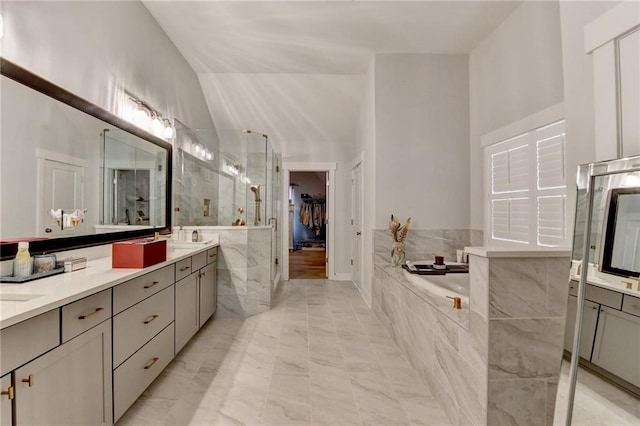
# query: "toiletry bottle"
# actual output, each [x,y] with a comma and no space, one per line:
[195,236]
[22,262]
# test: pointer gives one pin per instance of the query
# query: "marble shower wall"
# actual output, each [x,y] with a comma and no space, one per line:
[194,181]
[244,270]
[424,244]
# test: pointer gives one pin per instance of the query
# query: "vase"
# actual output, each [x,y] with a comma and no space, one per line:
[397,255]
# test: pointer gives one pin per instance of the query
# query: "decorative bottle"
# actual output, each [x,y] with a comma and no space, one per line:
[22,263]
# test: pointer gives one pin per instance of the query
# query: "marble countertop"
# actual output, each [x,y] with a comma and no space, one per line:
[53,292]
[619,286]
[506,252]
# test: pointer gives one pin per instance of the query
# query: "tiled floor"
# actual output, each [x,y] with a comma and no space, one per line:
[319,357]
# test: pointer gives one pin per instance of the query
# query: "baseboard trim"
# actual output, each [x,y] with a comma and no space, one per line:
[342,276]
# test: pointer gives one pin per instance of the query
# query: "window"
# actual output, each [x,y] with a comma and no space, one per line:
[527,192]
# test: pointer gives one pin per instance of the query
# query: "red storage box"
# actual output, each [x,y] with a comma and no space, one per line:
[138,253]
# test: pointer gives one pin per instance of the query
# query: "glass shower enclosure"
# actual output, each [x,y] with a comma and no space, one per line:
[227,178]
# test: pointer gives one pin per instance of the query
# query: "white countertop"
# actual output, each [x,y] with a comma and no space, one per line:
[59,290]
[515,252]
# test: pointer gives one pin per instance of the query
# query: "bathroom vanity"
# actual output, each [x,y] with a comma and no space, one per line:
[610,322]
[80,348]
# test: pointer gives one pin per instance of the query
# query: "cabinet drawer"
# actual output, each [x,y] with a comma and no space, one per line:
[129,293]
[631,305]
[597,294]
[199,261]
[29,339]
[183,268]
[134,375]
[137,325]
[212,255]
[80,316]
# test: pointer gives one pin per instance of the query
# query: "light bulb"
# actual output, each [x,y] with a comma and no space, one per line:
[157,126]
[1,26]
[141,115]
[168,129]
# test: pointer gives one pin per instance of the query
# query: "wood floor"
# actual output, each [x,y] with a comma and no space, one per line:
[309,264]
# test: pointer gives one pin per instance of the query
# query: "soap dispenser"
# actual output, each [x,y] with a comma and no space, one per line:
[22,266]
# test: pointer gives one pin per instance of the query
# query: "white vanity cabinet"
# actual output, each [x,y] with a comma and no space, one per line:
[617,344]
[197,290]
[68,385]
[209,287]
[6,400]
[143,334]
[208,291]
[610,336]
[186,310]
[589,322]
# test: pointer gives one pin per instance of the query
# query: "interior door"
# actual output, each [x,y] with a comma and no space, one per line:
[356,225]
[62,187]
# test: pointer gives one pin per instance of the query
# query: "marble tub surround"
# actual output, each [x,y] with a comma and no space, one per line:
[426,243]
[434,289]
[504,367]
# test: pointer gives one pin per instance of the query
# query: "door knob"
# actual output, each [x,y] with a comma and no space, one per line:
[358,233]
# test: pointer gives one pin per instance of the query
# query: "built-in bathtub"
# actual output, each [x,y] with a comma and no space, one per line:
[438,291]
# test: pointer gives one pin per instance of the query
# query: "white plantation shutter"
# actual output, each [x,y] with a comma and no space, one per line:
[527,197]
[552,226]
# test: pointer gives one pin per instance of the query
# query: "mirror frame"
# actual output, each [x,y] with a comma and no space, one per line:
[610,229]
[52,245]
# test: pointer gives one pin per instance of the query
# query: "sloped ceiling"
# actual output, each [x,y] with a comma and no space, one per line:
[295,69]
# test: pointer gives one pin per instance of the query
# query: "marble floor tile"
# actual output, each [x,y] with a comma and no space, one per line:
[319,357]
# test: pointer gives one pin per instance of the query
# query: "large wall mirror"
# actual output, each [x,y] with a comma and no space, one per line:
[72,174]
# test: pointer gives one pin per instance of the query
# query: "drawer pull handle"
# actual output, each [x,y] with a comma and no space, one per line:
[28,380]
[203,274]
[154,316]
[184,268]
[9,392]
[212,255]
[153,361]
[81,317]
[152,284]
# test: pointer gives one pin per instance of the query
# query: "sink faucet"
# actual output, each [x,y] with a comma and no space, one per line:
[457,302]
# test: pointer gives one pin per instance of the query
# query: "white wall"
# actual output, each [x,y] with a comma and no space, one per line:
[94,49]
[578,86]
[513,73]
[421,140]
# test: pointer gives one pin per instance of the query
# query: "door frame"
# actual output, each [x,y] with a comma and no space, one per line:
[358,162]
[330,169]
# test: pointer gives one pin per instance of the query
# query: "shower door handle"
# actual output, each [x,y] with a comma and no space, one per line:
[275,220]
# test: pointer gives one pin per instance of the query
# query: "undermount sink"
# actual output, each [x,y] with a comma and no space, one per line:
[190,244]
[9,297]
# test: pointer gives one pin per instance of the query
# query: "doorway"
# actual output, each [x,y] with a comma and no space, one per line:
[307,225]
[307,251]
